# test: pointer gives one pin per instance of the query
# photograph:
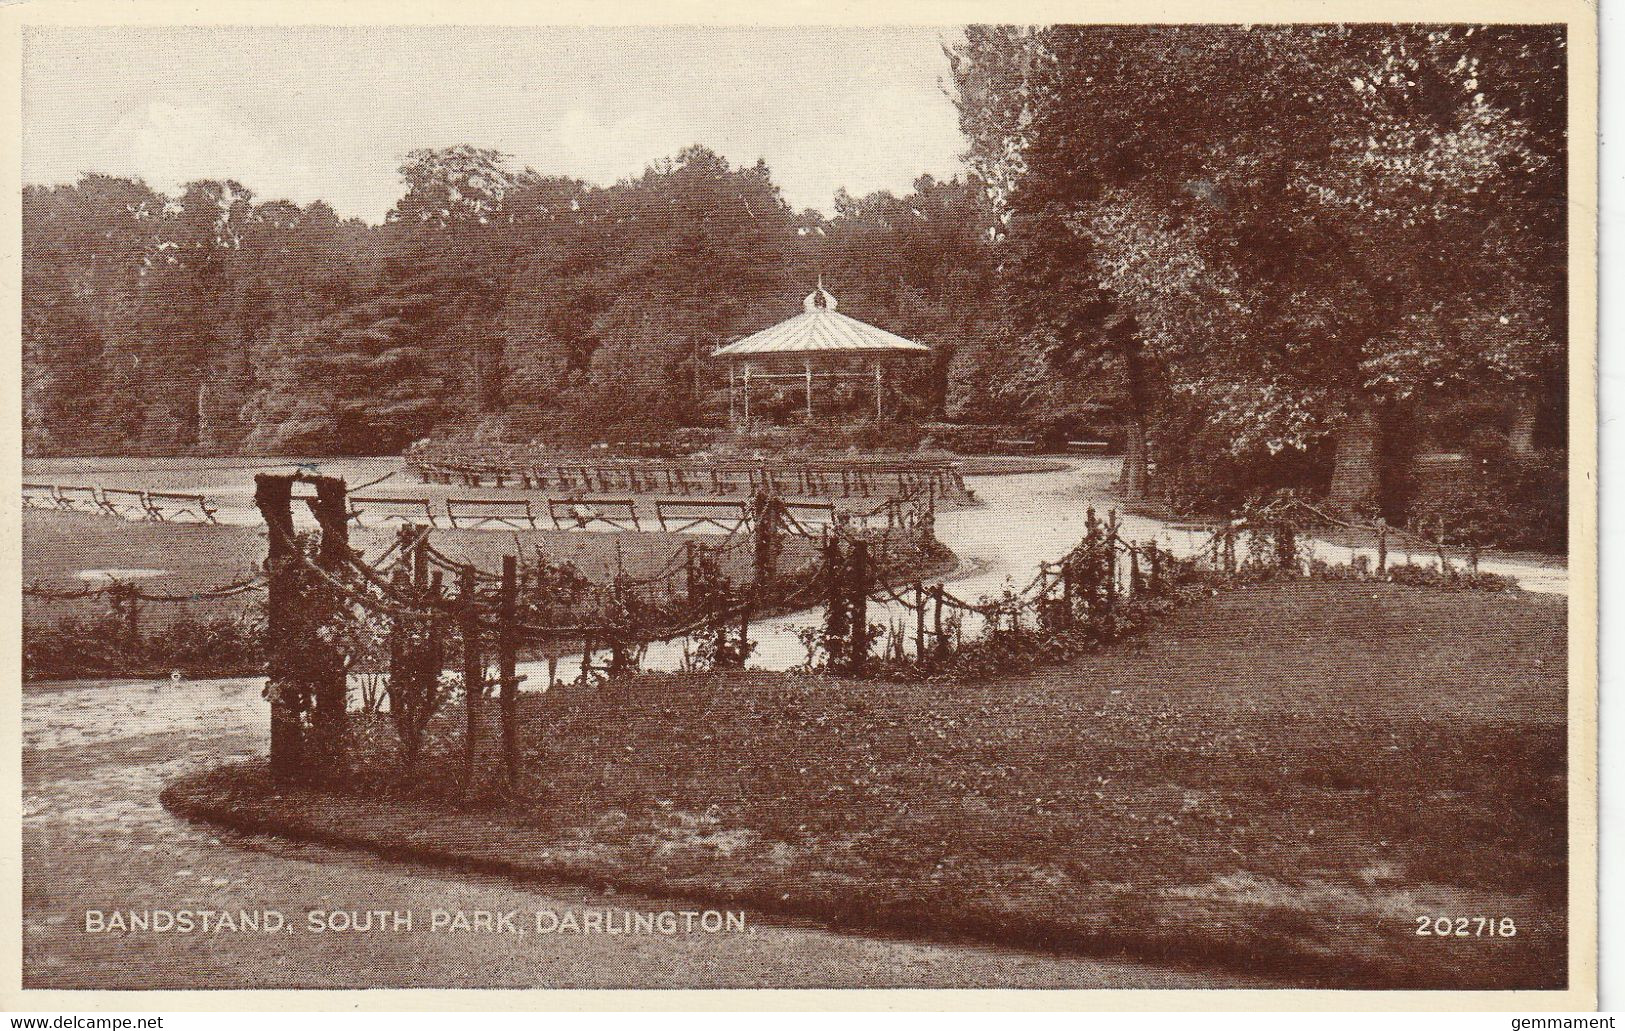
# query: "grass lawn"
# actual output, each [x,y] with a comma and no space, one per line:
[1281,780]
[58,546]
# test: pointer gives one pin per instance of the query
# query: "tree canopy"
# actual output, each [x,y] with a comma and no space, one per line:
[1262,256]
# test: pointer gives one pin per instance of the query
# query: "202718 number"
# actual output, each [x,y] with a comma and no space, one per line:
[1466,927]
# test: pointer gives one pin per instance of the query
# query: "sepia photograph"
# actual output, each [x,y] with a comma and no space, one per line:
[1062,506]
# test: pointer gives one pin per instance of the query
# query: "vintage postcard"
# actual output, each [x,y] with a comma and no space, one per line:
[990,497]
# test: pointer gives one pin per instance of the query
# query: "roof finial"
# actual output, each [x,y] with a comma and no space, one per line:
[811,301]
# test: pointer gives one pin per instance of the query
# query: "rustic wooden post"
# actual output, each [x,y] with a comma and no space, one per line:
[936,598]
[1111,560]
[765,514]
[1382,546]
[1067,601]
[919,621]
[332,688]
[1155,554]
[473,670]
[273,495]
[1286,545]
[1133,572]
[128,613]
[506,667]
[859,586]
[401,673]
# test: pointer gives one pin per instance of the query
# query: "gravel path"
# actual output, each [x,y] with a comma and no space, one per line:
[95,838]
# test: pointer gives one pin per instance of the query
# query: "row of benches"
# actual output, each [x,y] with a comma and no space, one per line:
[674,516]
[1081,447]
[155,505]
[828,480]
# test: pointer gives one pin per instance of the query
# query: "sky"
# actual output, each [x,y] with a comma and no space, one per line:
[328,112]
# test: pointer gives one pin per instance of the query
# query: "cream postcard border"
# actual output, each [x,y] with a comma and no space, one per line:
[1581,19]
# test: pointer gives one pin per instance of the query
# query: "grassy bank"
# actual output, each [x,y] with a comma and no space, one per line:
[1282,779]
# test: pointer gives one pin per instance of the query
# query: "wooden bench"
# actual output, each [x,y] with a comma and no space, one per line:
[682,516]
[514,513]
[78,499]
[1017,445]
[808,518]
[41,495]
[582,514]
[119,501]
[1088,447]
[410,511]
[165,506]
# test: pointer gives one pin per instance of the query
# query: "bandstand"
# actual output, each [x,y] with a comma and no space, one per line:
[818,344]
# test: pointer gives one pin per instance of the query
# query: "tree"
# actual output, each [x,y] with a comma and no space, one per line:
[1302,226]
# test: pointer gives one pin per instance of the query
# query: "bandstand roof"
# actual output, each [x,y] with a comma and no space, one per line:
[819,330]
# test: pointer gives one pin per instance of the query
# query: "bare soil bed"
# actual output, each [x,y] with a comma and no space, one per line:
[1282,780]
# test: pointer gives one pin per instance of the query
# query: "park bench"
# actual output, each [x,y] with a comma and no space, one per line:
[409,511]
[808,518]
[1088,447]
[41,495]
[118,501]
[169,506]
[682,516]
[78,499]
[1017,445]
[582,514]
[514,513]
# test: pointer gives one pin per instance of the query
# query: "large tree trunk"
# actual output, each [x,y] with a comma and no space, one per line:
[1132,484]
[1357,468]
[1521,434]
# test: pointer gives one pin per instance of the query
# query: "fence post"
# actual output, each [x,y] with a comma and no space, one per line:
[859,587]
[273,495]
[332,689]
[936,626]
[919,621]
[1286,545]
[766,516]
[127,609]
[473,670]
[1111,560]
[506,671]
[1382,545]
[837,626]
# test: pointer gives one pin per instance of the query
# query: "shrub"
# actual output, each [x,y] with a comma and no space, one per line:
[101,647]
[1500,499]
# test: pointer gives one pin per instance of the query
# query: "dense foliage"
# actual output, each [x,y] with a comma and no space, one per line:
[492,299]
[1316,241]
[1277,256]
